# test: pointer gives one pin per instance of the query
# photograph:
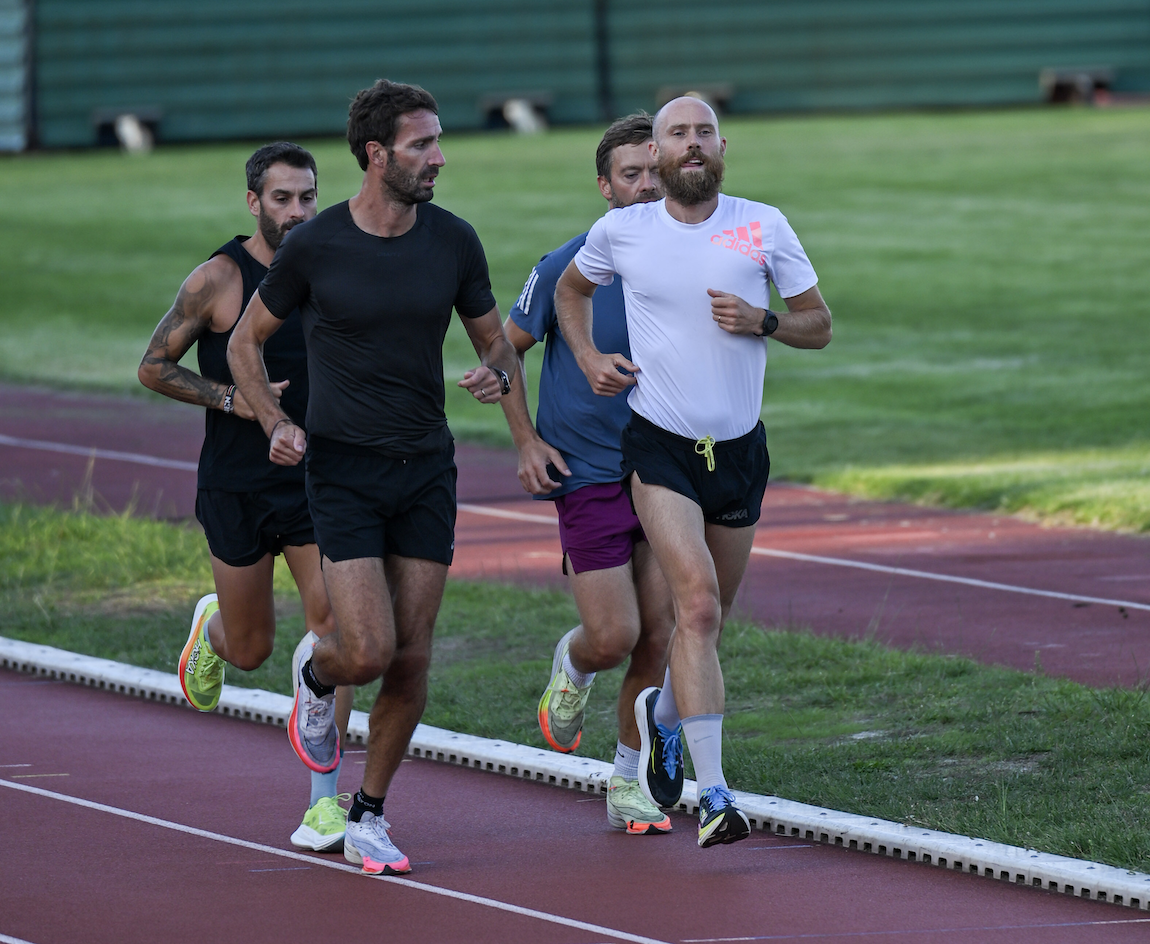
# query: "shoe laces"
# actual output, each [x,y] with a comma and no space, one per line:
[672,750]
[329,812]
[211,668]
[379,826]
[571,701]
[715,798]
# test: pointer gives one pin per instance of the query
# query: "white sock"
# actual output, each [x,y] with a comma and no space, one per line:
[704,737]
[626,761]
[666,711]
[579,679]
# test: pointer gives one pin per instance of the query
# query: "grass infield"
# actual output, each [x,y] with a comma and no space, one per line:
[985,270]
[914,737]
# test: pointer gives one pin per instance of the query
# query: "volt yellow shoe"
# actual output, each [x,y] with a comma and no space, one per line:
[201,671]
[323,826]
[628,809]
[562,705]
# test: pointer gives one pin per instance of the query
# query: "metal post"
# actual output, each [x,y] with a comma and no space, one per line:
[603,61]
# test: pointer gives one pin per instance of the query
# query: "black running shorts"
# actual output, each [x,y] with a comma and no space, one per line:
[241,527]
[731,495]
[369,505]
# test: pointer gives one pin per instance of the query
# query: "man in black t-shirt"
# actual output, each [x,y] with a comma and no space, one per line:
[375,280]
[251,509]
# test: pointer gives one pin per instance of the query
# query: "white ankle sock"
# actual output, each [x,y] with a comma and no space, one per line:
[704,737]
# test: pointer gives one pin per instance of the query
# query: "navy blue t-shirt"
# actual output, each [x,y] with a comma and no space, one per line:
[582,425]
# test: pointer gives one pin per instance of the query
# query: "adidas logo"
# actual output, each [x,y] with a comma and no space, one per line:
[745,240]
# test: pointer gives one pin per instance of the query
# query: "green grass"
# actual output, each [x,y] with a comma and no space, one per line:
[985,270]
[919,738]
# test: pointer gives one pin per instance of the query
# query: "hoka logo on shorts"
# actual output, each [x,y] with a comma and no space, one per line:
[746,240]
[734,515]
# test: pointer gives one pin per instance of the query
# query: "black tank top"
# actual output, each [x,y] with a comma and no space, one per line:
[234,457]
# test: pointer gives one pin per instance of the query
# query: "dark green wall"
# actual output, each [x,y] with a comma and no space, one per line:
[258,68]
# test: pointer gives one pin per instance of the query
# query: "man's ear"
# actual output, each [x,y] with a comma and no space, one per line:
[605,188]
[376,154]
[253,203]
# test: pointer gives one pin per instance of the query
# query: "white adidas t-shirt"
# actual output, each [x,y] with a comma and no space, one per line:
[695,379]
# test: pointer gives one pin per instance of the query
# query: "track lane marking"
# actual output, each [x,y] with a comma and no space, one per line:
[815,936]
[946,578]
[337,866]
[92,451]
[858,565]
[548,520]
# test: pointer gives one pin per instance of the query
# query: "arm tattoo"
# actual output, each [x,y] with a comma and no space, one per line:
[189,318]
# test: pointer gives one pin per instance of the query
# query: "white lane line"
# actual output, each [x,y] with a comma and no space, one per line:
[917,931]
[509,515]
[86,451]
[548,520]
[946,578]
[5,939]
[338,866]
[859,565]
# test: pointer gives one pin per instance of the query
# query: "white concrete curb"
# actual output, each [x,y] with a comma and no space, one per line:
[781,817]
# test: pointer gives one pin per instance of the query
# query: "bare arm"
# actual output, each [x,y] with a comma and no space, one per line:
[246,360]
[495,353]
[534,453]
[573,306]
[806,323]
[197,309]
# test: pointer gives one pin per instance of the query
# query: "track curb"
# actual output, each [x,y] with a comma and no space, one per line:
[1075,877]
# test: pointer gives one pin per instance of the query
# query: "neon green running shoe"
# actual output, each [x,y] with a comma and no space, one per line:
[562,705]
[323,826]
[201,670]
[628,809]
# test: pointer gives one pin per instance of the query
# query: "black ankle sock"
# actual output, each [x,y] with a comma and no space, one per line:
[310,680]
[364,804]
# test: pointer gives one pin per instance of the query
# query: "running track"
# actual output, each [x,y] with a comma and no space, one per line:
[188,842]
[994,588]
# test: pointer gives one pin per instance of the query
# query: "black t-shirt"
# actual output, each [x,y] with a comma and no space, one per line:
[234,457]
[375,311]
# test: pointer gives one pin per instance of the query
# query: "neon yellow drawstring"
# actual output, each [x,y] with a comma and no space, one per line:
[706,447]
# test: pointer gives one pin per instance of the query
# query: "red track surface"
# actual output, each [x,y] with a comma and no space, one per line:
[71,873]
[67,870]
[1092,643]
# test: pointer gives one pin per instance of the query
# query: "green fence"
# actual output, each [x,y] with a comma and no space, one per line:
[206,69]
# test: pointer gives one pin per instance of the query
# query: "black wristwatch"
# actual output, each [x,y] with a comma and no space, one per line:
[770,323]
[504,382]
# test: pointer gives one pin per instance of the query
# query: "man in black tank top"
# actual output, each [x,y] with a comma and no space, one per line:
[376,280]
[251,508]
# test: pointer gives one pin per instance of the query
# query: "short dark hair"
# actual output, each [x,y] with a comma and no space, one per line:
[375,112]
[282,152]
[634,129]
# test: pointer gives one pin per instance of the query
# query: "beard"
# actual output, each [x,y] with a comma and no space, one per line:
[405,186]
[690,188]
[273,232]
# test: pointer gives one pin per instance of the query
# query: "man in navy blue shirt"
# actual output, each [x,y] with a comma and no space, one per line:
[572,457]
